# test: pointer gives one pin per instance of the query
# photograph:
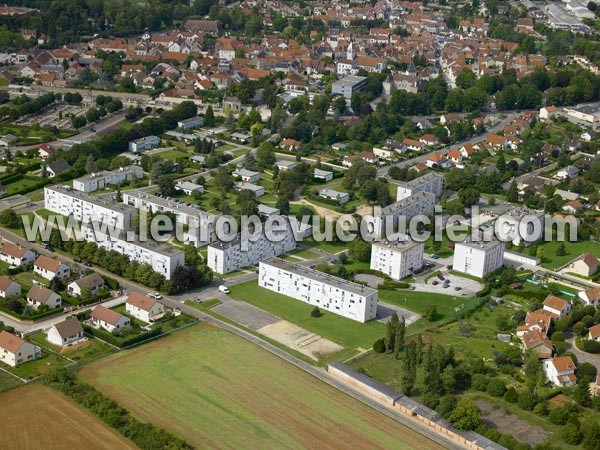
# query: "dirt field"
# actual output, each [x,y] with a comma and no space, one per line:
[217,390]
[299,339]
[507,423]
[41,418]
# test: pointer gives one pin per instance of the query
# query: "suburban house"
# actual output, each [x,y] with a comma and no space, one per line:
[430,140]
[144,308]
[573,207]
[255,188]
[109,320]
[586,265]
[567,172]
[290,144]
[45,151]
[9,288]
[594,332]
[66,332]
[537,320]
[413,145]
[591,297]
[247,176]
[92,281]
[324,175]
[560,371]
[15,255]
[369,157]
[50,268]
[284,165]
[536,341]
[188,188]
[557,307]
[14,350]
[39,295]
[57,167]
[437,160]
[547,112]
[340,197]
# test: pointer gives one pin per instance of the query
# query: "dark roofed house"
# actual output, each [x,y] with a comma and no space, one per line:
[57,167]
[66,332]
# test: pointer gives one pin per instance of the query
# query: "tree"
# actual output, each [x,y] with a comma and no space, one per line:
[359,251]
[512,195]
[511,395]
[209,117]
[496,387]
[468,197]
[409,369]
[399,337]
[283,205]
[391,328]
[265,155]
[466,415]
[561,250]
[189,277]
[430,312]
[581,394]
[126,85]
[9,218]
[316,312]
[167,186]
[246,201]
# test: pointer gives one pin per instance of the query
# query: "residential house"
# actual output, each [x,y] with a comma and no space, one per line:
[39,295]
[66,332]
[413,145]
[324,175]
[585,265]
[50,268]
[290,144]
[437,160]
[567,172]
[57,167]
[539,320]
[144,308]
[594,333]
[537,342]
[45,151]
[232,103]
[9,288]
[547,112]
[109,320]
[369,157]
[247,176]
[557,307]
[560,371]
[256,189]
[340,197]
[188,188]
[284,165]
[16,255]
[591,297]
[92,281]
[15,351]
[430,140]
[573,207]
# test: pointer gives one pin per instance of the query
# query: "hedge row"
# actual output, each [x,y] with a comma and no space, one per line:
[76,301]
[121,343]
[32,317]
[391,285]
[11,178]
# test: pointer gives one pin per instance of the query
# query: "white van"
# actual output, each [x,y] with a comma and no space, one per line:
[224,289]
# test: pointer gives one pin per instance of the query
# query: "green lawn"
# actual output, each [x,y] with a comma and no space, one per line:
[217,390]
[86,351]
[417,301]
[304,254]
[346,332]
[173,155]
[574,249]
[329,247]
[8,381]
[38,367]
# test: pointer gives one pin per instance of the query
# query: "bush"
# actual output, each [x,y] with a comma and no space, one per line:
[511,395]
[589,346]
[496,387]
[391,285]
[316,312]
[479,382]
[527,400]
[559,416]
[379,346]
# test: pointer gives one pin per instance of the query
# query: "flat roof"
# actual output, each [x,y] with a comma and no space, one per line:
[519,213]
[168,203]
[350,80]
[107,173]
[103,201]
[147,138]
[415,198]
[418,181]
[223,245]
[322,277]
[480,244]
[404,244]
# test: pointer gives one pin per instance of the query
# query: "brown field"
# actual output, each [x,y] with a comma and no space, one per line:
[216,390]
[37,417]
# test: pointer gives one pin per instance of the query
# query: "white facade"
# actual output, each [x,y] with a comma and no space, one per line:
[144,308]
[520,224]
[16,255]
[398,260]
[9,288]
[145,143]
[162,258]
[330,293]
[100,180]
[430,182]
[185,213]
[88,208]
[560,371]
[226,257]
[15,351]
[478,258]
[421,203]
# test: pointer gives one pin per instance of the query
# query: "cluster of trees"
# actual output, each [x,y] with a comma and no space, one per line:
[204,146]
[23,105]
[109,103]
[143,434]
[73,98]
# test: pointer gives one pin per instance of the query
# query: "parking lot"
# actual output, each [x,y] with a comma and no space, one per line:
[56,115]
[455,285]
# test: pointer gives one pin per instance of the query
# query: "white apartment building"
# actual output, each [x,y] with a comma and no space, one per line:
[430,182]
[478,258]
[225,257]
[100,180]
[186,213]
[397,259]
[339,296]
[162,258]
[145,143]
[421,203]
[88,208]
[520,224]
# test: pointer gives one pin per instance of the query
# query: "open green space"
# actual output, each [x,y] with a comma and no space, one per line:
[215,389]
[573,249]
[32,135]
[82,352]
[173,155]
[346,332]
[7,381]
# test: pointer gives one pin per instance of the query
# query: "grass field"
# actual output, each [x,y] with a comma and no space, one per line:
[346,332]
[41,418]
[8,382]
[217,390]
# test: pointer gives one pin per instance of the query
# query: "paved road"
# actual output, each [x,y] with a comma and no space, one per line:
[581,356]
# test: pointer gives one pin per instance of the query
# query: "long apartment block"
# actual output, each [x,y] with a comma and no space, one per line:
[430,182]
[163,258]
[88,208]
[339,296]
[225,257]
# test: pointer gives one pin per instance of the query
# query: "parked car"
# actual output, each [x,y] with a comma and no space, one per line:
[441,277]
[87,264]
[457,288]
[411,288]
[224,289]
[44,245]
[435,282]
[436,256]
[154,295]
[446,286]
[77,260]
